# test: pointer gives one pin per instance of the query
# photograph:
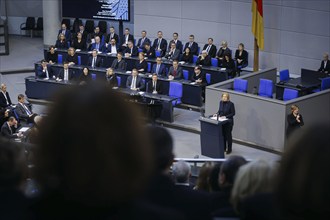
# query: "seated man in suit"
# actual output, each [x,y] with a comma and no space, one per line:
[173,53]
[112,35]
[149,51]
[222,51]
[8,129]
[178,43]
[175,71]
[325,64]
[72,57]
[127,38]
[160,44]
[210,48]
[96,33]
[143,40]
[159,68]
[24,110]
[204,59]
[112,47]
[43,71]
[131,50]
[199,76]
[94,60]
[155,86]
[65,31]
[134,82]
[5,100]
[98,46]
[192,45]
[119,63]
[65,74]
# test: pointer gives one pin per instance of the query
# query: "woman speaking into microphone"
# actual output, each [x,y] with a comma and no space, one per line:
[226,110]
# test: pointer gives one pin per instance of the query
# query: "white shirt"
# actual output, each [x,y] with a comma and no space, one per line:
[93,62]
[126,39]
[154,85]
[4,94]
[133,85]
[113,49]
[66,75]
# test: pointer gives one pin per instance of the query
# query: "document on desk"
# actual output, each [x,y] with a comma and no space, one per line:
[23,129]
[219,119]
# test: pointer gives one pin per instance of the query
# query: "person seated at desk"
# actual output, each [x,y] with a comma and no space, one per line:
[159,68]
[79,42]
[175,71]
[143,40]
[127,38]
[222,51]
[65,74]
[5,100]
[112,35]
[43,71]
[94,60]
[65,32]
[160,44]
[325,64]
[241,56]
[83,32]
[72,57]
[85,78]
[119,63]
[295,120]
[52,55]
[111,78]
[112,47]
[134,82]
[178,43]
[204,59]
[199,76]
[8,129]
[149,51]
[210,48]
[61,42]
[96,33]
[131,50]
[24,110]
[155,86]
[98,46]
[229,64]
[192,45]
[173,53]
[141,65]
[4,115]
[187,56]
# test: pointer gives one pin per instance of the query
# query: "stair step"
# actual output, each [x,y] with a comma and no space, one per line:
[2,44]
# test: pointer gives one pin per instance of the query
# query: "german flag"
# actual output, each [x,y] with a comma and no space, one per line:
[258,22]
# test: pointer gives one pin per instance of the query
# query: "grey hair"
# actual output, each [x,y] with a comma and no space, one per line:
[181,171]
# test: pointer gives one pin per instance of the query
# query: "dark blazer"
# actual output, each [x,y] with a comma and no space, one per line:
[73,58]
[67,34]
[178,72]
[112,80]
[221,53]
[109,48]
[3,102]
[133,51]
[98,61]
[61,74]
[205,62]
[244,57]
[173,56]
[102,47]
[146,40]
[143,65]
[200,76]
[21,112]
[115,36]
[230,67]
[119,65]
[159,87]
[293,124]
[52,57]
[193,48]
[8,132]
[61,45]
[163,45]
[139,84]
[79,45]
[212,51]
[130,38]
[84,35]
[41,73]
[84,78]
[327,67]
[161,71]
[150,53]
[178,45]
[187,58]
[227,109]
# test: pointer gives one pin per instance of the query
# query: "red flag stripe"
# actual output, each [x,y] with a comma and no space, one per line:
[259,6]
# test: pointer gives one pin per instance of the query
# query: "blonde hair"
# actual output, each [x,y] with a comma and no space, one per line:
[225,94]
[294,107]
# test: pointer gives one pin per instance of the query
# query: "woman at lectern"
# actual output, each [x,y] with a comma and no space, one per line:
[226,110]
[294,119]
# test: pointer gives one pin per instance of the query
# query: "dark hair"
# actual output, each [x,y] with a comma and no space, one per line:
[66,62]
[204,177]
[191,35]
[241,44]
[175,61]
[147,44]
[51,47]
[43,60]
[119,53]
[214,176]
[85,67]
[198,67]
[20,96]
[210,38]
[176,33]
[230,167]
[127,29]
[11,118]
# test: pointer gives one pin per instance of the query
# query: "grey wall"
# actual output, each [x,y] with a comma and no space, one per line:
[296,32]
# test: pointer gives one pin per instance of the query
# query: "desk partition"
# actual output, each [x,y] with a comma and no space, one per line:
[262,121]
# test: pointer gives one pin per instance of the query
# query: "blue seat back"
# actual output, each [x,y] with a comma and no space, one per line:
[93,76]
[240,85]
[195,58]
[79,60]
[284,75]
[149,67]
[60,58]
[325,84]
[208,78]
[214,62]
[119,80]
[68,44]
[140,50]
[158,53]
[175,91]
[289,94]
[15,114]
[185,74]
[266,88]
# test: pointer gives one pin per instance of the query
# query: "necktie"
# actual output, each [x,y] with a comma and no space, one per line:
[159,40]
[26,109]
[126,39]
[190,45]
[157,68]
[174,72]
[154,86]
[208,48]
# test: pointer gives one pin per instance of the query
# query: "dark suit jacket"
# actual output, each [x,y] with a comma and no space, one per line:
[187,58]
[61,74]
[102,47]
[41,73]
[61,45]
[221,53]
[109,48]
[161,71]
[327,67]
[79,45]
[115,36]
[173,56]
[119,65]
[73,58]
[112,80]
[3,102]
[205,62]
[146,40]
[52,57]
[228,110]
[178,72]
[143,65]
[150,53]
[7,132]
[163,45]
[130,38]
[193,48]
[244,57]
[84,35]
[133,51]
[200,76]
[20,110]
[98,61]
[139,84]
[178,45]
[293,124]
[159,87]
[67,34]
[212,51]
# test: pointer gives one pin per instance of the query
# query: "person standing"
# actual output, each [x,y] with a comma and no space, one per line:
[294,119]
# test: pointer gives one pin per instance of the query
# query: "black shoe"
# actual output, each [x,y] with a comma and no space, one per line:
[228,151]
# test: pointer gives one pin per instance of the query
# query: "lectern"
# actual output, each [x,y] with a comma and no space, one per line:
[212,142]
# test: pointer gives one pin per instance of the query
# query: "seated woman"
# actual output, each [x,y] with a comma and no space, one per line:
[241,57]
[72,57]
[229,64]
[85,77]
[141,65]
[187,56]
[111,78]
[79,42]
[52,55]
[61,43]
